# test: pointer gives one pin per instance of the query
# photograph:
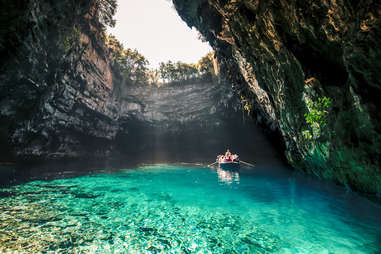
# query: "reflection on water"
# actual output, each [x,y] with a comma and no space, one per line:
[186,209]
[228,176]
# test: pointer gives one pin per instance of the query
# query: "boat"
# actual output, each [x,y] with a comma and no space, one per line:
[228,164]
[229,161]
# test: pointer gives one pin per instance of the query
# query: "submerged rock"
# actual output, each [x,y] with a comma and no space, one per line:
[309,69]
[140,222]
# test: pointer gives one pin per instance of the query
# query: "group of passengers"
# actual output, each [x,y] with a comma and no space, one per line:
[228,156]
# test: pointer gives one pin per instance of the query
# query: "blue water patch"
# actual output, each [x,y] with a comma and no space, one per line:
[186,209]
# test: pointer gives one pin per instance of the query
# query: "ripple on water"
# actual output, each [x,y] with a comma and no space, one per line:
[163,210]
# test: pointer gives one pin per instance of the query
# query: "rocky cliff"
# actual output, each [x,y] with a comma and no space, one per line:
[309,69]
[61,98]
[56,81]
[189,121]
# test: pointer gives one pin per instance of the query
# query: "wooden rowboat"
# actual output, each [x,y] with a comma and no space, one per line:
[228,164]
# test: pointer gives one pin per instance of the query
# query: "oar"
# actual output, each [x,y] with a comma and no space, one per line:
[249,164]
[212,164]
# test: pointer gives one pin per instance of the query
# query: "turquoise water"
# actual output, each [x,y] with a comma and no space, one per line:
[187,209]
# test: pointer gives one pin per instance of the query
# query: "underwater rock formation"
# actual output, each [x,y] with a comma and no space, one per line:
[311,70]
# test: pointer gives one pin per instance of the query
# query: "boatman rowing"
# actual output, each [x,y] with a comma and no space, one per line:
[228,156]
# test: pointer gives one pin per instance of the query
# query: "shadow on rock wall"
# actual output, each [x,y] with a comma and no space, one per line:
[189,123]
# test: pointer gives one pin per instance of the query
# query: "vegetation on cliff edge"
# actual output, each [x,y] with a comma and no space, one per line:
[133,67]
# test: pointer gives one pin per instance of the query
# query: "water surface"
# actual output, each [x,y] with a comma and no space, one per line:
[187,209]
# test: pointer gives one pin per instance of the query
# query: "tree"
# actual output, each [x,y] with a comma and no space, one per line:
[134,65]
[167,71]
[179,71]
[317,117]
[114,46]
[131,64]
[205,65]
[186,71]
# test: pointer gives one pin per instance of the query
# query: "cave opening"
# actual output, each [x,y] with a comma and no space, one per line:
[78,103]
[81,93]
[189,116]
[156,31]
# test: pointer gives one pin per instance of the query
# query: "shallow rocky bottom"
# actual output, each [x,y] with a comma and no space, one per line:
[170,209]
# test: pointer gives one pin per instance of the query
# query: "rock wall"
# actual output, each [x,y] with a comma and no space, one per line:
[61,98]
[309,70]
[56,83]
[181,122]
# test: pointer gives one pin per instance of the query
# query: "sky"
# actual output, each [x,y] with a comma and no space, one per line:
[154,28]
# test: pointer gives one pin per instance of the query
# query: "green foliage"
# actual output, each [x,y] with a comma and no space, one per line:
[114,46]
[72,39]
[179,71]
[205,65]
[317,117]
[134,67]
[307,134]
[131,64]
[318,111]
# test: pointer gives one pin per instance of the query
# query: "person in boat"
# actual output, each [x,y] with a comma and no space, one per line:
[228,155]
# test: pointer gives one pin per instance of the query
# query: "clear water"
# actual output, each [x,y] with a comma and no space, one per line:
[187,209]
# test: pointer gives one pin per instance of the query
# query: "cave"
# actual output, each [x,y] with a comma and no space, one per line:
[99,153]
[65,112]
[64,95]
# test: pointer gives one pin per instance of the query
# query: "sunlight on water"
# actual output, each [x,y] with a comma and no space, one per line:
[186,209]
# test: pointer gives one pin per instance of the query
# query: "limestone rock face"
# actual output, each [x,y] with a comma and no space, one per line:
[309,69]
[56,82]
[189,121]
[61,98]
[172,105]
